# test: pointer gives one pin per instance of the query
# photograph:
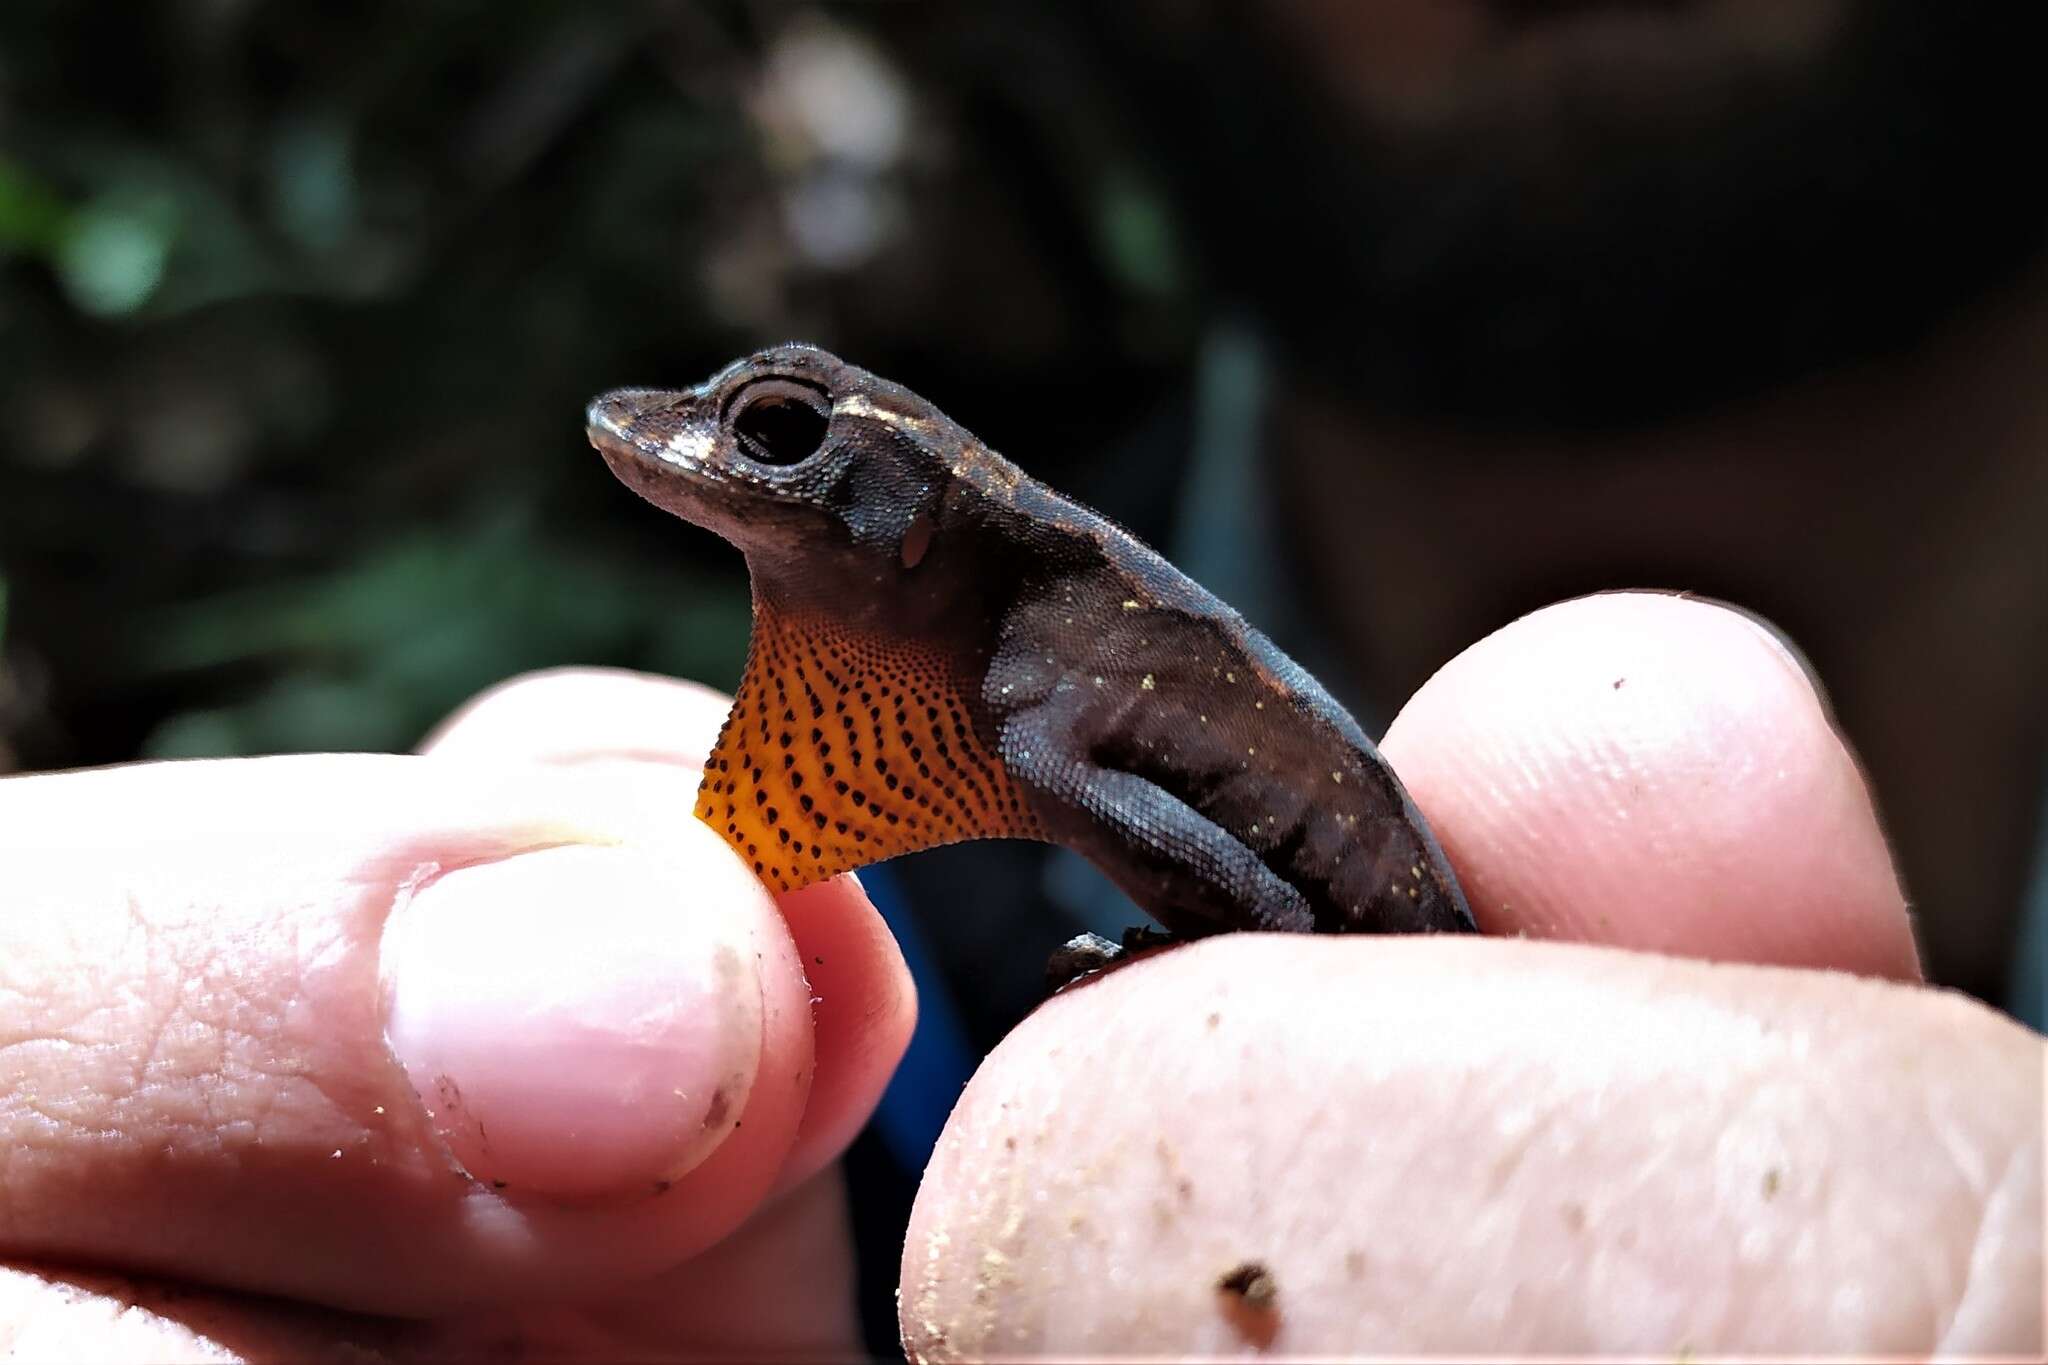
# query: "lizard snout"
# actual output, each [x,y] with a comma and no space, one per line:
[615,413]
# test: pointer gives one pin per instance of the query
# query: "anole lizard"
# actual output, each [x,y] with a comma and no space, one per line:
[944,648]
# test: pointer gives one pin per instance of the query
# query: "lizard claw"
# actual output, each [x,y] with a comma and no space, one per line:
[1088,954]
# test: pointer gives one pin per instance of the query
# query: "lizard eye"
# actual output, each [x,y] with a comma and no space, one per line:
[779,421]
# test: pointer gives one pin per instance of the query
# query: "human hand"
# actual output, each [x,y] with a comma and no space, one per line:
[259,1017]
[1512,1146]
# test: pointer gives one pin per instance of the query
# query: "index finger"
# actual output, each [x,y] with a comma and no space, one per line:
[1656,772]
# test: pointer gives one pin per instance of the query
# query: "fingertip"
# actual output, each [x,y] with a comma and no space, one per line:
[1660,772]
[850,976]
[575,1022]
[568,715]
[864,1008]
[1484,1138]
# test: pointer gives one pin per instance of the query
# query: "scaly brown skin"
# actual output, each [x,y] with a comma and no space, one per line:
[946,649]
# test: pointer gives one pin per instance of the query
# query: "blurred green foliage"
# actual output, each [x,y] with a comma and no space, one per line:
[299,306]
[381,647]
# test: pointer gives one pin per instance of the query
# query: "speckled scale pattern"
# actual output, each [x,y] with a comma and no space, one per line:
[842,749]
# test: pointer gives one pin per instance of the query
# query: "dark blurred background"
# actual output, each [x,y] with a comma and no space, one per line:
[1390,321]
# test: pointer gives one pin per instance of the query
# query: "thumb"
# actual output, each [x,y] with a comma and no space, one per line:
[386,1033]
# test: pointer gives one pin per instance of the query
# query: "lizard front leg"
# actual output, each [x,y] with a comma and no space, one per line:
[1182,868]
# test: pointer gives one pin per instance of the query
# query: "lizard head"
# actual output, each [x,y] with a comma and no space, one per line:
[853,734]
[793,455]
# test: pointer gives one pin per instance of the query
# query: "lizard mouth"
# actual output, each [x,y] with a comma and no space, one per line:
[656,447]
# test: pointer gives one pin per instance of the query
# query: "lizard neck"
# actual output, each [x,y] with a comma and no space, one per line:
[847,744]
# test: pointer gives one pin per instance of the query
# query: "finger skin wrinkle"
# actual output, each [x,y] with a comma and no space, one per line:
[2002,1203]
[2009,1229]
[147,1054]
[1949,1276]
[171,1023]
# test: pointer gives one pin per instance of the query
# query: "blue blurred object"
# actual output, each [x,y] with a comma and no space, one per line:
[939,1059]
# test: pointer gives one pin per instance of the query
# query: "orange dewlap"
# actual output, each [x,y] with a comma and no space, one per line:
[842,749]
